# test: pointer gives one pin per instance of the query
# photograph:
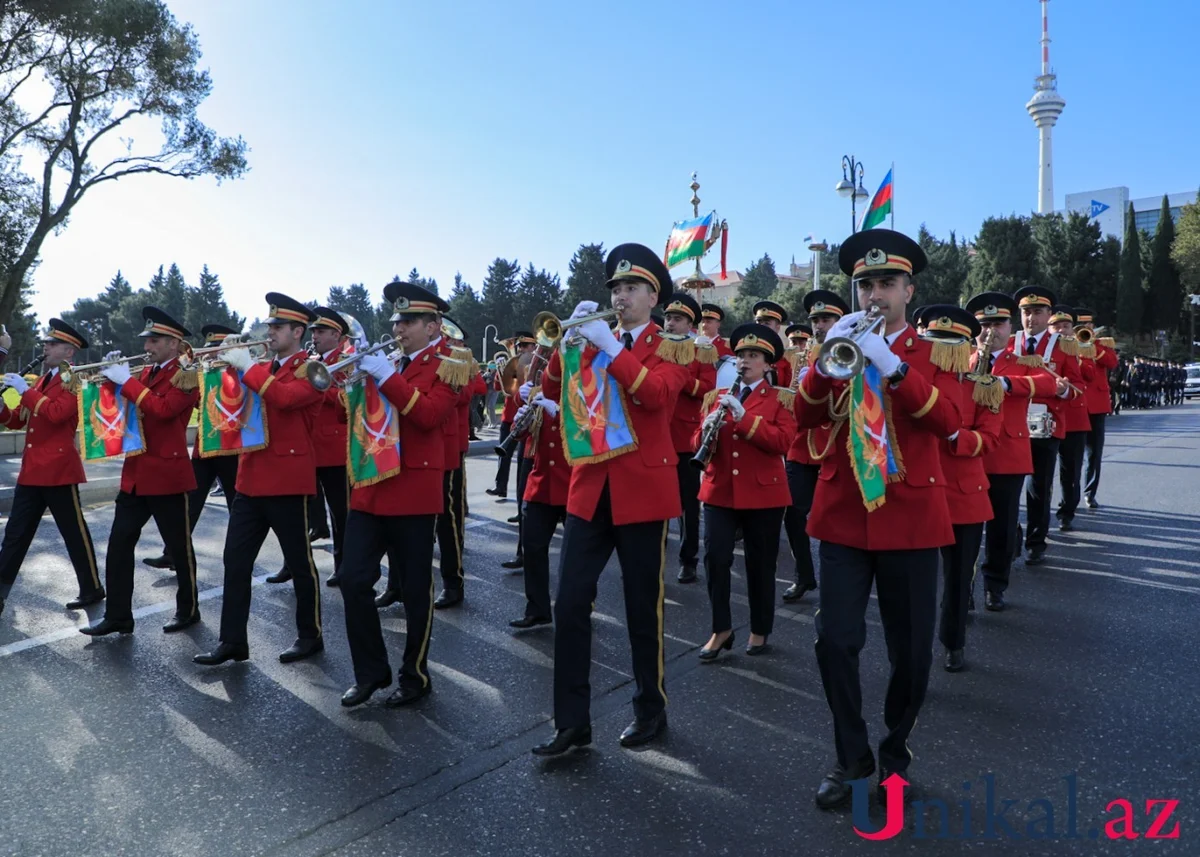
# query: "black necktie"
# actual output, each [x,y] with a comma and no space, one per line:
[1031,345]
[274,366]
[987,366]
[153,372]
[744,395]
[627,338]
[404,361]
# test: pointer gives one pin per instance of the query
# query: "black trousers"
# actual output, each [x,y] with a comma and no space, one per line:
[689,494]
[802,482]
[958,570]
[541,520]
[760,537]
[133,512]
[409,539]
[504,463]
[524,467]
[450,527]
[316,509]
[1038,491]
[249,522]
[1001,543]
[1070,471]
[1095,455]
[906,587]
[208,471]
[30,502]
[587,546]
[332,487]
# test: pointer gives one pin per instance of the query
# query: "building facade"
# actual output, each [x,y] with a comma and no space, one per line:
[1108,207]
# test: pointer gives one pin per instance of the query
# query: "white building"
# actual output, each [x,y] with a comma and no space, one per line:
[1108,207]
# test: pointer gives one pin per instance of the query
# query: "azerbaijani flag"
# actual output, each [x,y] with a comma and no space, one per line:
[881,204]
[232,419]
[109,423]
[871,455]
[595,421]
[373,446]
[687,240]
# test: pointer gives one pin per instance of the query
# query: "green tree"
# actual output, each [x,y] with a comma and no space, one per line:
[832,278]
[467,310]
[1005,256]
[944,279]
[414,277]
[206,305]
[1070,258]
[171,296]
[500,296]
[538,291]
[23,328]
[1166,293]
[355,301]
[1131,297]
[758,283]
[1104,293]
[1185,252]
[77,76]
[585,279]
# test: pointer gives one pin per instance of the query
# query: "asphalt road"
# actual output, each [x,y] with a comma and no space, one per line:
[1087,690]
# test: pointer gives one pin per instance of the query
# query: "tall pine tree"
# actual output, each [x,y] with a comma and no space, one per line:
[1131,297]
[1166,293]
[585,279]
[206,305]
[1005,256]
[758,283]
[500,297]
[467,310]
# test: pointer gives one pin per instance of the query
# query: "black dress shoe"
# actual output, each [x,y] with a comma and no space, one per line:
[993,601]
[687,574]
[317,535]
[301,649]
[971,603]
[222,653]
[448,598]
[1092,504]
[281,576]
[407,696]
[334,580]
[1036,556]
[514,564]
[86,600]
[388,598]
[514,519]
[360,693]
[108,626]
[178,623]
[834,790]
[753,650]
[797,591]
[708,655]
[1066,525]
[530,621]
[955,661]
[1,606]
[161,561]
[500,496]
[564,740]
[643,731]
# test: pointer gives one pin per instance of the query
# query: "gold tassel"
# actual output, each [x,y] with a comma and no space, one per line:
[707,354]
[989,392]
[1069,345]
[454,371]
[786,397]
[710,399]
[1107,342]
[186,380]
[951,357]
[792,355]
[676,349]
[1034,360]
[302,370]
[1088,350]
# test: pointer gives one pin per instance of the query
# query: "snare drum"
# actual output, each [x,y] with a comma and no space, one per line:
[1041,422]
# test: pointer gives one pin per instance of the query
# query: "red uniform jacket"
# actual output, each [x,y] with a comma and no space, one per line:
[287,465]
[811,445]
[165,409]
[49,413]
[1077,404]
[642,483]
[925,411]
[550,477]
[962,460]
[783,374]
[1011,453]
[329,427]
[1099,395]
[686,418]
[423,403]
[747,470]
[723,349]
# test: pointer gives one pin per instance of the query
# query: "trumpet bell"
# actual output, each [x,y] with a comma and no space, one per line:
[319,376]
[841,358]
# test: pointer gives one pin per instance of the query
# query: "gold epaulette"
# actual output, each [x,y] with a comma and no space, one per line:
[302,370]
[786,396]
[1107,342]
[1069,345]
[710,399]
[814,351]
[707,354]
[951,356]
[1088,350]
[71,381]
[454,371]
[675,348]
[988,390]
[1034,360]
[185,379]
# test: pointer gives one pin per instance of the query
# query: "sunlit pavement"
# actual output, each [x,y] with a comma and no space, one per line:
[122,745]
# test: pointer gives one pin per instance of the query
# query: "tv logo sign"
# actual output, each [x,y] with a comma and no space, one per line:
[1098,208]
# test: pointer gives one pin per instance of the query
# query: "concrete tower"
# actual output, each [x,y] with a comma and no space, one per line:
[1044,108]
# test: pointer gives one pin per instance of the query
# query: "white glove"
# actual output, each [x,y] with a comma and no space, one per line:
[953,437]
[377,366]
[703,341]
[12,379]
[524,391]
[111,356]
[600,335]
[875,348]
[735,407]
[118,373]
[239,358]
[710,419]
[548,405]
[520,414]
[584,308]
[844,325]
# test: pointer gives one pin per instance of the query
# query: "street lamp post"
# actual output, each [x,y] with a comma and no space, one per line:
[486,340]
[851,187]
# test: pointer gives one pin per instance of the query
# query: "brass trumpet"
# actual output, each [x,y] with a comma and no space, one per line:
[321,376]
[1085,335]
[549,328]
[841,357]
[230,343]
[93,369]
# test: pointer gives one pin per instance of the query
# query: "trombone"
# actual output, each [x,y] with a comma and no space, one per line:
[66,369]
[841,357]
[198,353]
[549,328]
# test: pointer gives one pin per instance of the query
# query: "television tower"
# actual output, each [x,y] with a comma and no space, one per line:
[1044,108]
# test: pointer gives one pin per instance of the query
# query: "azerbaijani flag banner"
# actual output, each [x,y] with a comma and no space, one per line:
[871,453]
[108,422]
[881,204]
[373,447]
[595,420]
[687,240]
[232,418]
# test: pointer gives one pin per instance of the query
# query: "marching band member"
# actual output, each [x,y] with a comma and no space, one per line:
[1035,345]
[397,515]
[962,462]
[1011,459]
[1101,353]
[745,486]
[273,486]
[155,483]
[774,316]
[451,521]
[623,491]
[51,468]
[711,317]
[510,381]
[206,470]
[680,316]
[808,449]
[1070,451]
[330,334]
[880,507]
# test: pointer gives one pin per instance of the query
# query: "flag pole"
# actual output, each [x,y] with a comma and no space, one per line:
[893,195]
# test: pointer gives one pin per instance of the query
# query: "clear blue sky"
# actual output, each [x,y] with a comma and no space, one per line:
[387,135]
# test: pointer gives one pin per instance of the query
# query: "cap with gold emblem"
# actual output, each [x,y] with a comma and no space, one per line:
[285,310]
[992,306]
[1062,313]
[880,252]
[638,262]
[1084,316]
[712,311]
[332,319]
[798,331]
[684,304]
[769,311]
[60,331]
[411,299]
[214,334]
[948,320]
[1034,296]
[524,337]
[158,323]
[757,337]
[824,302]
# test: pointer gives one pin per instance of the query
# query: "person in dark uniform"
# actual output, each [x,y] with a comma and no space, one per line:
[273,487]
[451,521]
[881,515]
[51,468]
[156,483]
[1071,450]
[624,490]
[208,471]
[745,486]
[510,382]
[1101,353]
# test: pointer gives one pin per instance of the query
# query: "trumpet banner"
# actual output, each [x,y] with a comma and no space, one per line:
[373,445]
[871,454]
[232,417]
[595,419]
[109,424]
